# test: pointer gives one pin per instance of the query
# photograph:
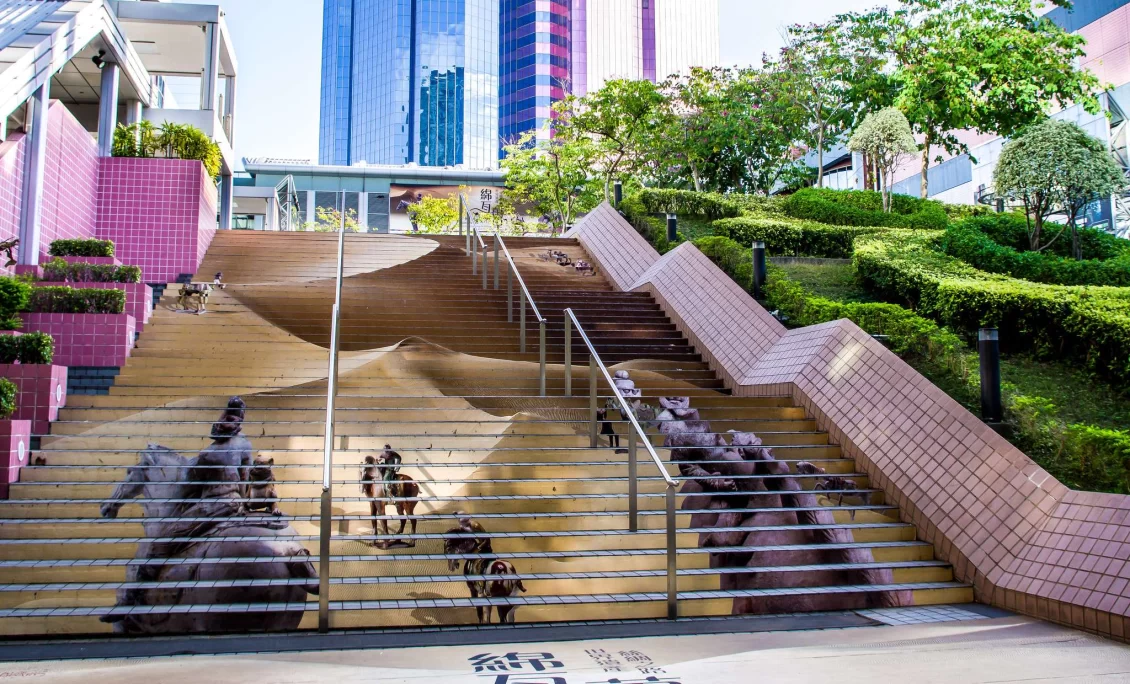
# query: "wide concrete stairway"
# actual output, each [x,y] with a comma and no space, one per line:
[431,364]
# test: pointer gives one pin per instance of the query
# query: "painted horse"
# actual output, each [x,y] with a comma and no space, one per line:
[200,522]
[470,539]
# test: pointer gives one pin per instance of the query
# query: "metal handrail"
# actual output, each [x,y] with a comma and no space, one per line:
[325,519]
[512,273]
[636,435]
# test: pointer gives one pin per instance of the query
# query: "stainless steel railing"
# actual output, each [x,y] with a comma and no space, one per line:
[326,511]
[477,246]
[636,435]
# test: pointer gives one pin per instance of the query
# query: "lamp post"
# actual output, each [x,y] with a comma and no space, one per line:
[672,228]
[989,350]
[759,270]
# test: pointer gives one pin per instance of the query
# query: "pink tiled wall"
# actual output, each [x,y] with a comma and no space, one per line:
[70,180]
[15,450]
[11,186]
[43,391]
[86,339]
[160,213]
[1108,47]
[139,297]
[1024,540]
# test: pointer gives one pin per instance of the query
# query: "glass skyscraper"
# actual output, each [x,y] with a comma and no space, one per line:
[446,82]
[410,81]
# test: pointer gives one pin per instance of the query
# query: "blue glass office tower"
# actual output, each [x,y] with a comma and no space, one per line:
[408,81]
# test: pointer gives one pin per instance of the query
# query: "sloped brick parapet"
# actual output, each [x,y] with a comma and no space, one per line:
[1024,540]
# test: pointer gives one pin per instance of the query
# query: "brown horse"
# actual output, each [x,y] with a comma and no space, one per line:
[402,489]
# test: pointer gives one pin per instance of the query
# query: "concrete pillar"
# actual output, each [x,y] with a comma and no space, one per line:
[133,116]
[35,159]
[229,115]
[310,208]
[363,212]
[271,222]
[226,182]
[210,77]
[108,108]
[3,128]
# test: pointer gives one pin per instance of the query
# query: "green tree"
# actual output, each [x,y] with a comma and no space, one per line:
[328,220]
[886,139]
[830,73]
[994,66]
[1053,167]
[617,118]
[552,175]
[435,214]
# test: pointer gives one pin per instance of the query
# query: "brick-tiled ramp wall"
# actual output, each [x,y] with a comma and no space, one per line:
[1024,540]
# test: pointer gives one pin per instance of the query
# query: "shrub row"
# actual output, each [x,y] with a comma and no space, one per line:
[1010,229]
[864,208]
[82,248]
[29,348]
[964,241]
[1091,324]
[709,205]
[14,294]
[58,270]
[77,301]
[8,395]
[785,236]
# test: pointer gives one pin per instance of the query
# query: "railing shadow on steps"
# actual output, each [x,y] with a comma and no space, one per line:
[476,247]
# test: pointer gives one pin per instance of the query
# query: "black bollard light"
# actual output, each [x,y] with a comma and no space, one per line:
[672,228]
[618,193]
[989,349]
[1000,206]
[759,270]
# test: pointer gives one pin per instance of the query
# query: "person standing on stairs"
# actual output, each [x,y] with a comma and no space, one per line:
[607,429]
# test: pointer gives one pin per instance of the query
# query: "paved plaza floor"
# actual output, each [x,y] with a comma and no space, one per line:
[923,648]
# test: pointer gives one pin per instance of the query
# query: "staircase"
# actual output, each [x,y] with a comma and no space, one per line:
[431,365]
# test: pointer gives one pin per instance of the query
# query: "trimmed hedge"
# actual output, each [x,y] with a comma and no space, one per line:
[8,394]
[1091,324]
[82,248]
[865,208]
[1011,230]
[59,270]
[14,294]
[29,348]
[785,236]
[77,301]
[708,205]
[964,241]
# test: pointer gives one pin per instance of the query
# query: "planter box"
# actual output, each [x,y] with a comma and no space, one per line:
[15,439]
[160,213]
[86,339]
[139,297]
[43,391]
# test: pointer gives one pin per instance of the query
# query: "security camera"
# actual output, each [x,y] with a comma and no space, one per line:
[99,59]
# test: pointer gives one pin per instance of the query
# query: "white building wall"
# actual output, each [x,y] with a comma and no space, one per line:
[686,35]
[615,41]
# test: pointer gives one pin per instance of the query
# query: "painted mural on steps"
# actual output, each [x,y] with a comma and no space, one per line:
[754,511]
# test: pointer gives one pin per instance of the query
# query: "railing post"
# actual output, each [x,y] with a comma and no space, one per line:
[472,250]
[325,516]
[592,400]
[568,355]
[541,357]
[672,558]
[496,260]
[509,293]
[522,325]
[484,245]
[461,208]
[633,483]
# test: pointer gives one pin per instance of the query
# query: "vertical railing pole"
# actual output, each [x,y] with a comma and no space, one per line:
[325,516]
[461,208]
[496,260]
[541,357]
[672,558]
[509,294]
[633,483]
[592,400]
[484,263]
[522,325]
[568,355]
[472,249]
